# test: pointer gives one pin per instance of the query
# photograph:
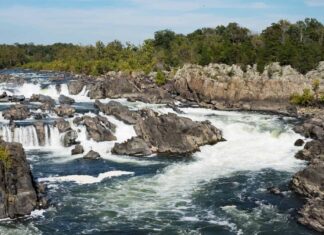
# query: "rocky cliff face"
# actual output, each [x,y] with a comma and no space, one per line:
[18,196]
[223,86]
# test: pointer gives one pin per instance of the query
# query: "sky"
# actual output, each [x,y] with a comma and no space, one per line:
[87,21]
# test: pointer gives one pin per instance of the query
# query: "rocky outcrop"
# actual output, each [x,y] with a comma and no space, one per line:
[69,138]
[64,111]
[92,155]
[66,100]
[121,112]
[168,134]
[98,128]
[47,102]
[228,87]
[75,87]
[133,147]
[62,125]
[18,196]
[17,112]
[310,181]
[78,149]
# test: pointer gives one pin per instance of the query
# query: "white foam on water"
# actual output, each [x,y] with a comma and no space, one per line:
[85,179]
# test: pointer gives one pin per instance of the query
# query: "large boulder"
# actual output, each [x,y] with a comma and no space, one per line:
[64,111]
[98,128]
[133,147]
[69,138]
[121,112]
[18,196]
[17,112]
[66,100]
[75,87]
[47,101]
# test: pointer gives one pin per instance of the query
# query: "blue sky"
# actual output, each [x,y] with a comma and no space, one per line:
[86,21]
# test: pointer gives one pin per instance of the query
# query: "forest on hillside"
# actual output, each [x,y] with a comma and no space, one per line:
[299,44]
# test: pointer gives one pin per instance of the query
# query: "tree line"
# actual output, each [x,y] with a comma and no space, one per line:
[299,44]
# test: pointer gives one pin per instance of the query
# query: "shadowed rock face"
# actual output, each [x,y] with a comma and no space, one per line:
[121,112]
[98,128]
[133,147]
[18,195]
[66,100]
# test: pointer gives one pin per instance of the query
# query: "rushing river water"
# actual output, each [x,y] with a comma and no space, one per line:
[220,190]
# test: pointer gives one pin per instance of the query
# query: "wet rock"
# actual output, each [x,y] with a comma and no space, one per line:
[98,128]
[172,134]
[312,214]
[69,138]
[62,125]
[17,112]
[75,87]
[40,130]
[121,112]
[275,191]
[133,147]
[65,111]
[47,102]
[66,100]
[16,98]
[78,149]
[18,195]
[92,155]
[299,142]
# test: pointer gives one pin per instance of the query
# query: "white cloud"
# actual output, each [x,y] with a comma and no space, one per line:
[315,3]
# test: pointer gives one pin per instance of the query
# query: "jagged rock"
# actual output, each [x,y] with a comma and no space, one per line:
[225,87]
[78,149]
[172,134]
[92,155]
[75,87]
[65,111]
[312,214]
[309,182]
[40,130]
[133,147]
[98,128]
[69,138]
[299,142]
[121,112]
[313,128]
[16,112]
[66,100]
[112,88]
[18,195]
[62,125]
[47,101]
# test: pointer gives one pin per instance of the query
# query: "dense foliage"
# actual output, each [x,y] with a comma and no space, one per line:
[300,44]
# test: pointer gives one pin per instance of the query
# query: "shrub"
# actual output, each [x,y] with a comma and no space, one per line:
[160,78]
[4,157]
[305,99]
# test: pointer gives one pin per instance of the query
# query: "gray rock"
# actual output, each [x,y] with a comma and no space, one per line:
[40,130]
[98,128]
[299,142]
[312,214]
[69,138]
[65,111]
[62,125]
[133,147]
[66,100]
[92,155]
[78,149]
[75,87]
